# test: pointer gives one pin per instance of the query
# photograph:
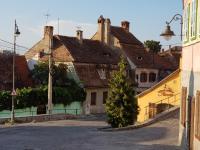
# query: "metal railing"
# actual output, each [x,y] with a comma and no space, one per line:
[31,113]
[158,107]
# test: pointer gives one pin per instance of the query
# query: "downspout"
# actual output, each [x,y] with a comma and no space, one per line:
[188,123]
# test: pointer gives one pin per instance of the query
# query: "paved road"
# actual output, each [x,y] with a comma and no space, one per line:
[83,135]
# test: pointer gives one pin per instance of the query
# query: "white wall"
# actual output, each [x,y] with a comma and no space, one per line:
[99,107]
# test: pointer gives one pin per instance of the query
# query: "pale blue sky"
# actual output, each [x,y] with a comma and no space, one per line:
[147,17]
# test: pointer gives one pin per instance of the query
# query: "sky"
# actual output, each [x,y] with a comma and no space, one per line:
[147,18]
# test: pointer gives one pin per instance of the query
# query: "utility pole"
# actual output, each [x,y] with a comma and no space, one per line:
[50,105]
[16,33]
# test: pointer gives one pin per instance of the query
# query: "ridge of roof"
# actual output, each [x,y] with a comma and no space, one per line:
[124,36]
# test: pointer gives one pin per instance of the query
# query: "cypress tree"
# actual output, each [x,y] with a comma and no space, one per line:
[121,105]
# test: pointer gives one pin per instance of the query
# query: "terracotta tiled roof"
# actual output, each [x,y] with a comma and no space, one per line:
[90,51]
[173,55]
[143,59]
[125,37]
[22,77]
[88,75]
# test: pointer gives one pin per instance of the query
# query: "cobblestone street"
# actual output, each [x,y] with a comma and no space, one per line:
[84,135]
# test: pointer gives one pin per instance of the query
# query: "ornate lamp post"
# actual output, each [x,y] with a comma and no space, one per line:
[16,34]
[168,33]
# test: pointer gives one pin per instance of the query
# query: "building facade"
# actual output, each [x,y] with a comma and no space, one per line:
[160,97]
[190,101]
[146,68]
[89,62]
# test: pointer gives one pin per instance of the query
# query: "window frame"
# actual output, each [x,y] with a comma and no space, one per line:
[193,20]
[93,101]
[186,24]
[105,96]
[141,77]
[150,77]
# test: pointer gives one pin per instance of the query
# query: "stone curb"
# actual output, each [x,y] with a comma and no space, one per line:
[158,117]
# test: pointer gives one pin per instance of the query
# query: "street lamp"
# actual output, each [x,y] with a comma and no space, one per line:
[168,33]
[16,34]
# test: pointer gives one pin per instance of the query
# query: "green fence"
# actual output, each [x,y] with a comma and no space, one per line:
[74,108]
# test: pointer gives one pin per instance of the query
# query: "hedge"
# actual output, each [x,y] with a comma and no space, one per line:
[28,97]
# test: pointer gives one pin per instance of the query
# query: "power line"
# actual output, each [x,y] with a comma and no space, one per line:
[13,44]
[9,47]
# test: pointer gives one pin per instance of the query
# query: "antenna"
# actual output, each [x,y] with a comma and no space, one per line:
[58,25]
[78,27]
[47,17]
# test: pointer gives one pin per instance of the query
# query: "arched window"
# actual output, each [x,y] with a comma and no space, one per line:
[152,77]
[143,77]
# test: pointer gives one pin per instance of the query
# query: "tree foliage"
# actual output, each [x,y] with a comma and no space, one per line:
[59,74]
[28,97]
[154,46]
[121,105]
[65,90]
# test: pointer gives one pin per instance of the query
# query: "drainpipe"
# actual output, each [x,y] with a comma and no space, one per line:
[188,123]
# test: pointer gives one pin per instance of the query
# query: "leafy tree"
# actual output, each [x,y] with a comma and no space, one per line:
[59,74]
[121,105]
[40,73]
[153,46]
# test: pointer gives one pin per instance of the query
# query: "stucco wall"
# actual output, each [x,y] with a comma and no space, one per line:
[156,95]
[99,107]
[190,79]
[147,84]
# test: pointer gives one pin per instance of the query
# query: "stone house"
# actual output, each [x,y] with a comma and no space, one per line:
[89,62]
[146,68]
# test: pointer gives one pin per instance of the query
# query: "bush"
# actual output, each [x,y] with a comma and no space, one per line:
[28,97]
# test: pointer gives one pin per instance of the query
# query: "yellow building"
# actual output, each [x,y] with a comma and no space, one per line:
[160,97]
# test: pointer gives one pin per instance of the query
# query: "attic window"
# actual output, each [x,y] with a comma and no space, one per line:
[107,54]
[139,58]
[102,73]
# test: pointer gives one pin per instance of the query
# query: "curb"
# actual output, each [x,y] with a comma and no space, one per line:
[158,118]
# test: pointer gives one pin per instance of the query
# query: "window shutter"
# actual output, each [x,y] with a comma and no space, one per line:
[183,105]
[197,116]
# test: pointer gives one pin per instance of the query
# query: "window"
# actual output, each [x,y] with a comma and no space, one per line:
[197,116]
[137,77]
[186,23]
[183,105]
[102,73]
[152,77]
[143,77]
[193,19]
[93,98]
[105,96]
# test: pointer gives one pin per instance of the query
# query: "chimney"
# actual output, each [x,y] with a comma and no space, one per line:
[101,27]
[107,31]
[48,32]
[48,37]
[125,25]
[79,35]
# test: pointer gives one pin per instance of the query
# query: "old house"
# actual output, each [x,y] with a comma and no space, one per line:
[22,74]
[89,62]
[190,101]
[160,97]
[147,68]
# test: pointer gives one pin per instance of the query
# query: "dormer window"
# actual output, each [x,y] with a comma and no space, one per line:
[139,58]
[102,73]
[107,54]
